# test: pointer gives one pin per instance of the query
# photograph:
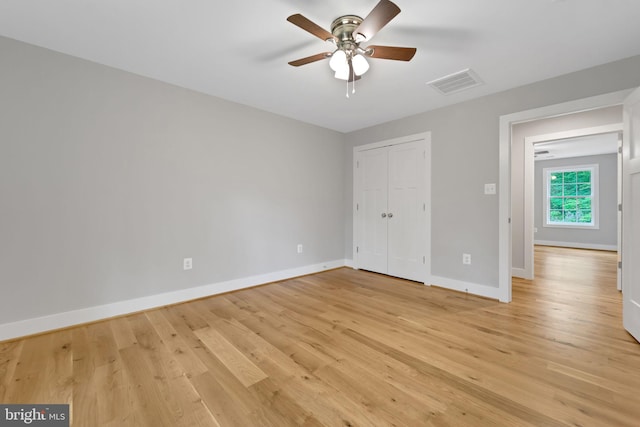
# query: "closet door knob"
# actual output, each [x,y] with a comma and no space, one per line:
[390,215]
[384,215]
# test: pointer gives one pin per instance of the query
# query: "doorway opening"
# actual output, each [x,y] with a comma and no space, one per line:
[598,146]
[505,175]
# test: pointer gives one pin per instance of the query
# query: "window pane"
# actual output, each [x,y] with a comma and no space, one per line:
[584,189]
[556,216]
[556,177]
[584,204]
[570,204]
[570,177]
[556,190]
[569,216]
[556,202]
[585,217]
[584,176]
[570,189]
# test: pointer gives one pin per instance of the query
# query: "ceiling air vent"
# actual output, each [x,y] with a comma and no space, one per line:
[456,82]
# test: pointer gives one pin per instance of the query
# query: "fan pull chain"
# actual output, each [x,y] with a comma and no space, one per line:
[353,79]
[353,84]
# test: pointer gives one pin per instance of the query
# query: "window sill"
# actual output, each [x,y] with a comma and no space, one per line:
[573,226]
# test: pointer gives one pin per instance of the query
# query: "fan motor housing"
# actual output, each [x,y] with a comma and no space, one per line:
[343,27]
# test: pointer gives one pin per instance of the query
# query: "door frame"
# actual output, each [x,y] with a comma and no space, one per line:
[423,136]
[619,231]
[504,180]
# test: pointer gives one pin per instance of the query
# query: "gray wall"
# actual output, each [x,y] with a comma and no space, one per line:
[465,140]
[580,120]
[607,233]
[108,180]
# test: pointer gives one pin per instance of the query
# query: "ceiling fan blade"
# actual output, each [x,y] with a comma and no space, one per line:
[310,59]
[380,16]
[391,52]
[310,27]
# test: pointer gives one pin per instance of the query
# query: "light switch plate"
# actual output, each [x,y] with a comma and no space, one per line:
[490,189]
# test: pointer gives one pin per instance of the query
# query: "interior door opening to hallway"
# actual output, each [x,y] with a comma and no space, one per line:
[630,197]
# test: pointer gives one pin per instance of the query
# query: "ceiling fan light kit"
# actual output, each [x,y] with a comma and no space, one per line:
[337,59]
[360,65]
[348,61]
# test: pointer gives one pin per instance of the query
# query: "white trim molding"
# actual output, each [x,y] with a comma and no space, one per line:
[55,321]
[520,273]
[595,246]
[466,287]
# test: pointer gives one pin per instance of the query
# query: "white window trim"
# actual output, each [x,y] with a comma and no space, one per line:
[595,196]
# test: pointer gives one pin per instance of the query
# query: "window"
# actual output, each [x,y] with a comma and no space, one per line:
[571,196]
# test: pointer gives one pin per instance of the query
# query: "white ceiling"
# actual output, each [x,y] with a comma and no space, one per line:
[239,49]
[591,145]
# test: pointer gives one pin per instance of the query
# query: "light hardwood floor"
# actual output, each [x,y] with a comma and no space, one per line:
[351,348]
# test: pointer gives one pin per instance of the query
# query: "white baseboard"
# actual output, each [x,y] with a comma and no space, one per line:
[90,314]
[577,245]
[520,273]
[348,263]
[461,286]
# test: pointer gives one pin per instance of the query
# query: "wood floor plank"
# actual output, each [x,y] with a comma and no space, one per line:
[389,405]
[285,410]
[154,372]
[9,358]
[351,348]
[230,406]
[116,401]
[246,372]
[122,333]
[463,382]
[189,363]
[148,388]
[85,383]
[58,370]
[29,375]
[223,308]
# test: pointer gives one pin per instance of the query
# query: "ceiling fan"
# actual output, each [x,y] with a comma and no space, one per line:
[348,60]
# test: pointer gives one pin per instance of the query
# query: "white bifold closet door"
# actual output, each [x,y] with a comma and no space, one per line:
[391,210]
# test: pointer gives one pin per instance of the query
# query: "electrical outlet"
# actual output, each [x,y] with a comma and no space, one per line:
[187,263]
[466,259]
[300,248]
[535,229]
